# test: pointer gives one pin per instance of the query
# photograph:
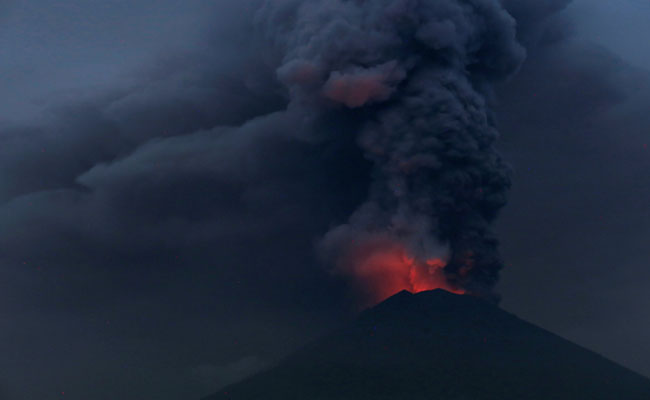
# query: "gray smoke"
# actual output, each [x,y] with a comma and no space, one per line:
[414,76]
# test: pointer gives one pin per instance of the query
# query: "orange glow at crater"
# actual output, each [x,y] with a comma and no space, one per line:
[382,268]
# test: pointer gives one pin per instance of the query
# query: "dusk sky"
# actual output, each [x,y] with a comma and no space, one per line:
[166,229]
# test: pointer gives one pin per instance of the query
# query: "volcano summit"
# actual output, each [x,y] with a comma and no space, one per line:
[439,345]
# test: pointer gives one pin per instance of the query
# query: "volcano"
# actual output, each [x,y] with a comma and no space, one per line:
[436,345]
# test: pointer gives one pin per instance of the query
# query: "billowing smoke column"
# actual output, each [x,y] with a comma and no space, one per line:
[415,76]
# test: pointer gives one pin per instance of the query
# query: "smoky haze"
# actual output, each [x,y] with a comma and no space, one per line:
[168,174]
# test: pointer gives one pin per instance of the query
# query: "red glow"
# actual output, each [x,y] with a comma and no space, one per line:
[382,268]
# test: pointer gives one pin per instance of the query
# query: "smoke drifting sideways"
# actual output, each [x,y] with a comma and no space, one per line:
[363,126]
[414,77]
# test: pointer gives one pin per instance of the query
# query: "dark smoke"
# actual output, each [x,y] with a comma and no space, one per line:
[415,78]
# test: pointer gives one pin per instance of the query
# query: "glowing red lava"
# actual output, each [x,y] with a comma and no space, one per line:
[381,269]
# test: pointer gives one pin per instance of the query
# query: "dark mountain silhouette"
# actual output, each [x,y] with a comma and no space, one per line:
[437,345]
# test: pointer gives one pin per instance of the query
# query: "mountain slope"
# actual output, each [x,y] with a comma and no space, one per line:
[437,345]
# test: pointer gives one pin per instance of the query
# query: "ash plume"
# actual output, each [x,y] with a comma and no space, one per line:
[414,77]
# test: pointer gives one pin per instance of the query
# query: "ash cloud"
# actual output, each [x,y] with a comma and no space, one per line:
[359,118]
[416,78]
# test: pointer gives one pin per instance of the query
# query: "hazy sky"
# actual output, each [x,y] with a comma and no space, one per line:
[620,26]
[50,46]
[128,271]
